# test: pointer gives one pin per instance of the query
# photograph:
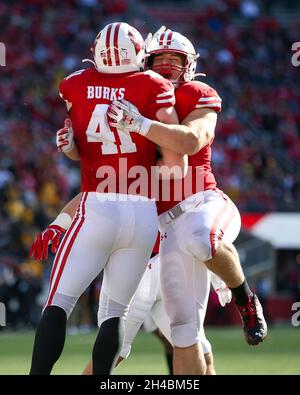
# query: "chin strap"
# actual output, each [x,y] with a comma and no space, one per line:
[176,83]
[199,75]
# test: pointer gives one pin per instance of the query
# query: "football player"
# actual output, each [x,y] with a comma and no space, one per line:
[116,223]
[199,229]
[147,307]
[146,303]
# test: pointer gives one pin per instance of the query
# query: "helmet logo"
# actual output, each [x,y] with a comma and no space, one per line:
[136,41]
[103,57]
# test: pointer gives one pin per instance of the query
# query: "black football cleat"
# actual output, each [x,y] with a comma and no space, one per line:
[254,324]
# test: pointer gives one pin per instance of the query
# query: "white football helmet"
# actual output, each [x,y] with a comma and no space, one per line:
[168,41]
[119,48]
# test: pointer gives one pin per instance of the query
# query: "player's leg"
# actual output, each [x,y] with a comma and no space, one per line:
[215,228]
[88,370]
[139,308]
[225,260]
[209,221]
[141,305]
[159,324]
[210,367]
[201,285]
[185,287]
[140,312]
[162,322]
[122,276]
[158,311]
[168,349]
[247,303]
[207,349]
[113,309]
[80,257]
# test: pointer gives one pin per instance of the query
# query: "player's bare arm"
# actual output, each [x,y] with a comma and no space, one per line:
[195,132]
[172,160]
[73,155]
[203,123]
[177,138]
[71,207]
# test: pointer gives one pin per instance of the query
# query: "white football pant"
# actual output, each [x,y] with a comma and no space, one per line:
[117,236]
[147,308]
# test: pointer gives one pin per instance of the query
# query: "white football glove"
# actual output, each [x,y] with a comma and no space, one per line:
[64,137]
[223,292]
[124,115]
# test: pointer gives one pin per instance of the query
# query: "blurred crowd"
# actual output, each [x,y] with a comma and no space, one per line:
[257,148]
[246,54]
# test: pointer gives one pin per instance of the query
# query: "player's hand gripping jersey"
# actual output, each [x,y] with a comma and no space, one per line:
[89,93]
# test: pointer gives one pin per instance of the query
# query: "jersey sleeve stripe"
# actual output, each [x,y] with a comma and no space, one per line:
[209,98]
[208,105]
[170,100]
[75,73]
[171,92]
[210,101]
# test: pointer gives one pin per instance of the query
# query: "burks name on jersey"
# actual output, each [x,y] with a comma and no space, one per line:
[105,92]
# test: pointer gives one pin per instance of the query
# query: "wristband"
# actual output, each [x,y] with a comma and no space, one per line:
[144,126]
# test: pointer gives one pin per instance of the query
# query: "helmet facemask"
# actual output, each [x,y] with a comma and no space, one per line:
[166,70]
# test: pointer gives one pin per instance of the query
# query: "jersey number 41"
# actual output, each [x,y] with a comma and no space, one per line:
[98,131]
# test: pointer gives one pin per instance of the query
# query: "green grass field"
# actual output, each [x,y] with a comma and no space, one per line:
[278,355]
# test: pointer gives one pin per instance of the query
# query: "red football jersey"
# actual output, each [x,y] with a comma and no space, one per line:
[108,155]
[189,97]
